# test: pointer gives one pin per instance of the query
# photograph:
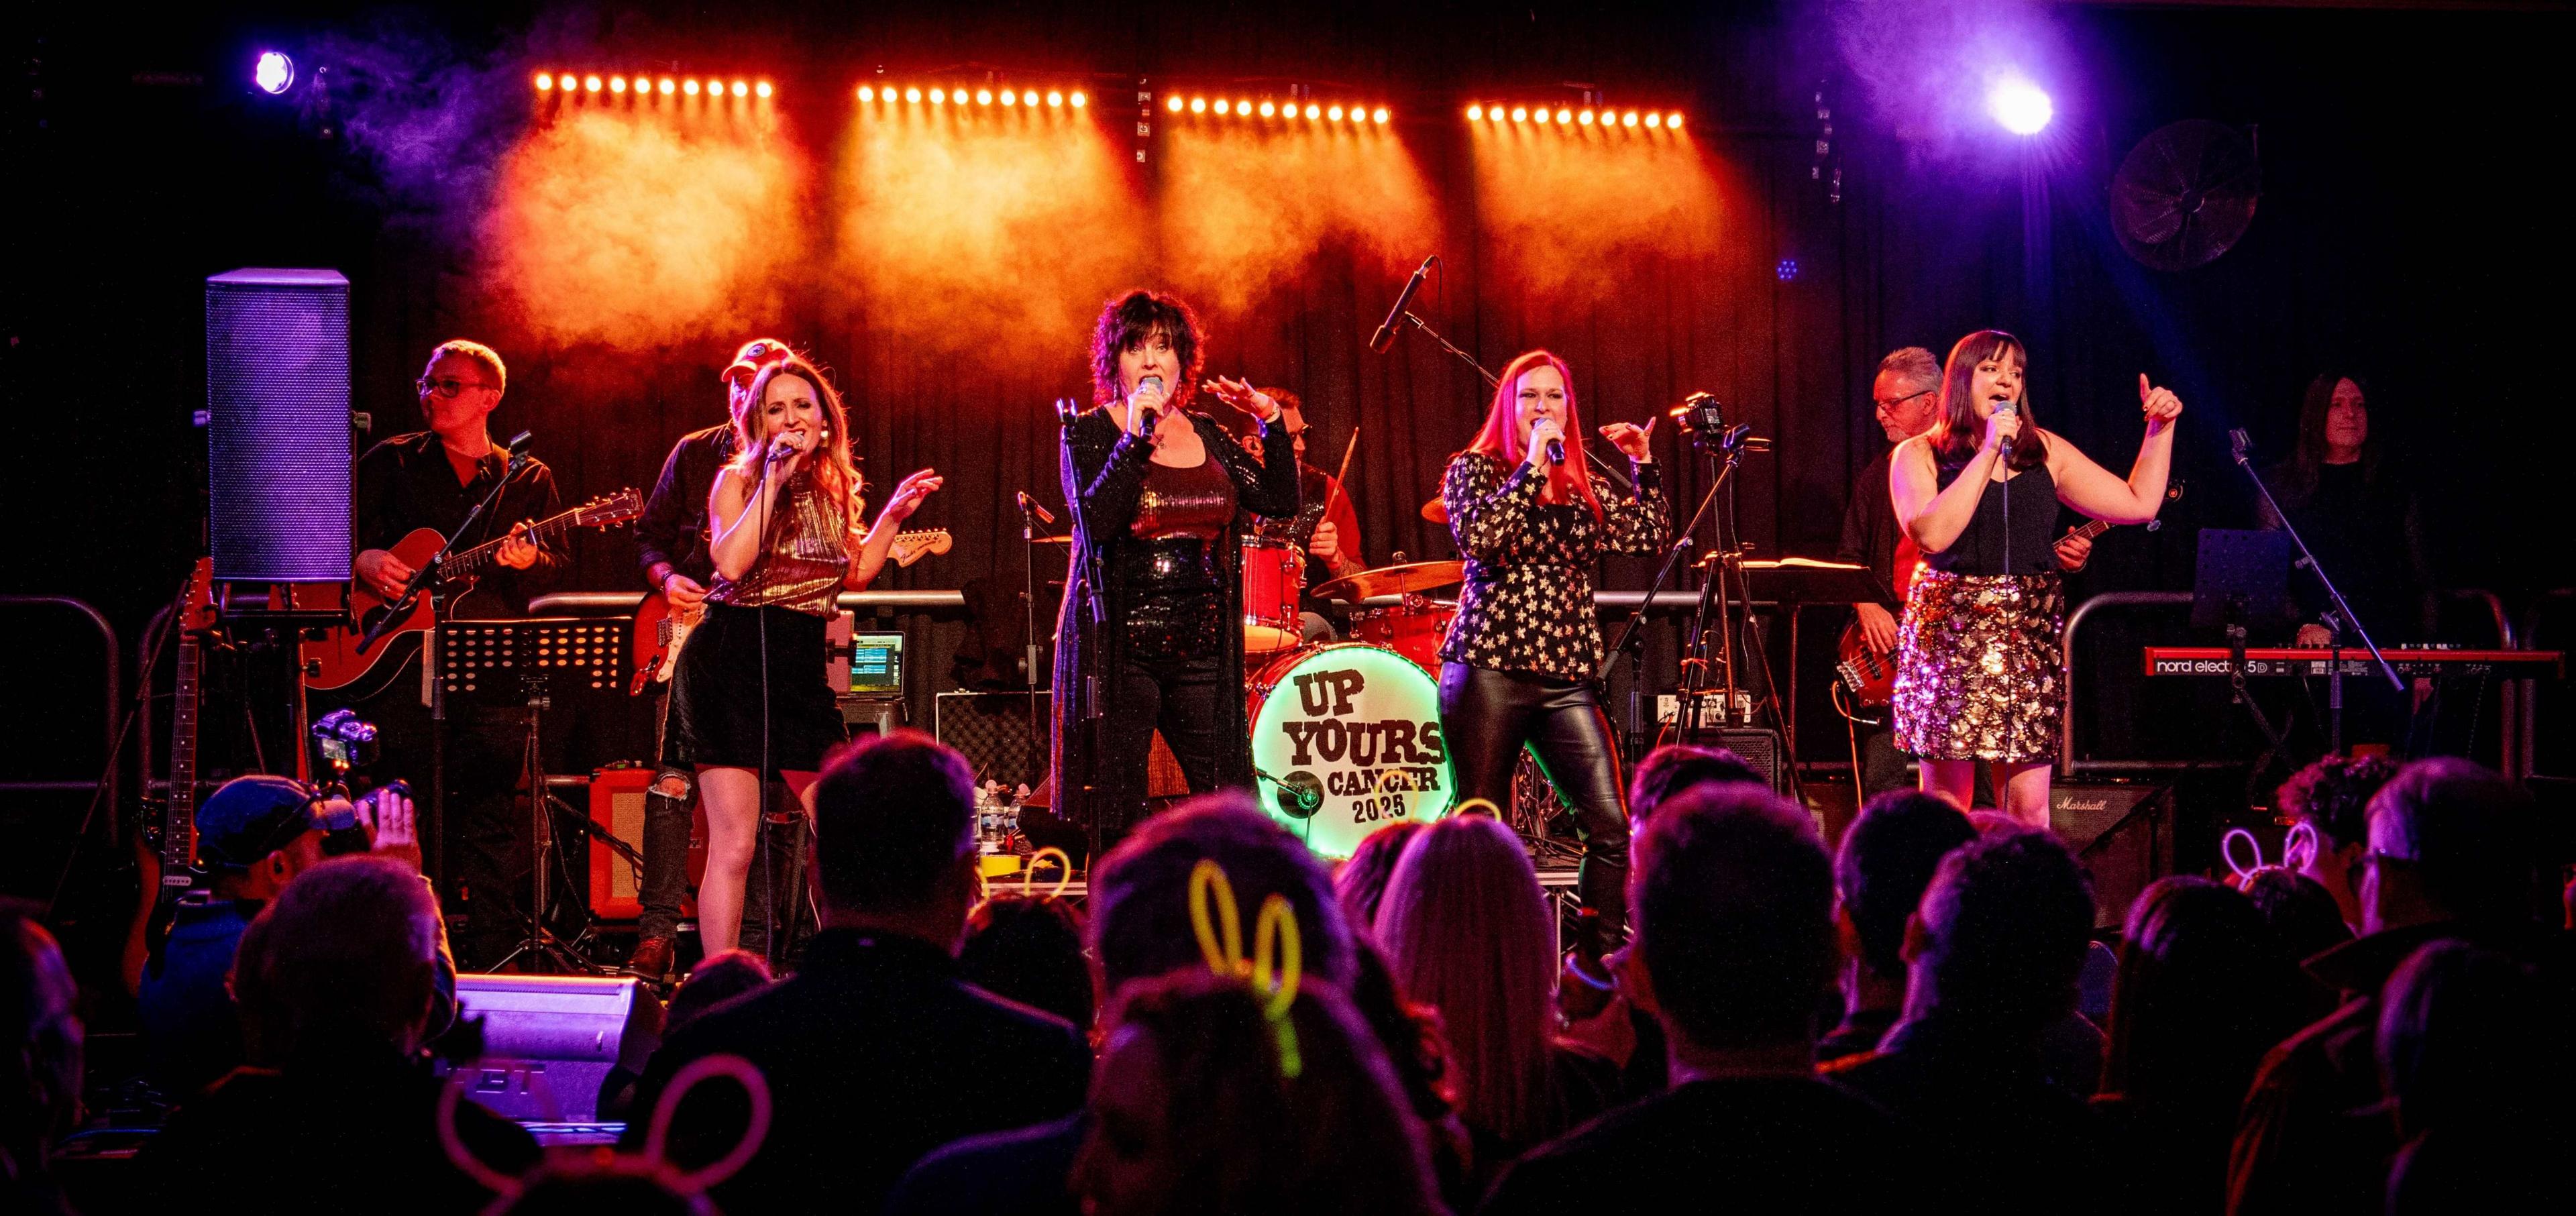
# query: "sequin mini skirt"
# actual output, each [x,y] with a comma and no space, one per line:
[1978,667]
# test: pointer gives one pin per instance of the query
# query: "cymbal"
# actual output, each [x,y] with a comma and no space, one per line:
[1393,580]
[1436,511]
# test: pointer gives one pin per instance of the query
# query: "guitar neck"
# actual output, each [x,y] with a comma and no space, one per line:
[472,560]
[2093,527]
[179,814]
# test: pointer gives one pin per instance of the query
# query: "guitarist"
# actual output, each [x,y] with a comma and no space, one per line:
[1905,399]
[433,479]
[671,542]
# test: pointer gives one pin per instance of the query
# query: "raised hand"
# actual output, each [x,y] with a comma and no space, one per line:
[909,492]
[1241,395]
[2159,404]
[1635,441]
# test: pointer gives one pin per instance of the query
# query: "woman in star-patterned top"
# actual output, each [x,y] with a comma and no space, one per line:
[1517,667]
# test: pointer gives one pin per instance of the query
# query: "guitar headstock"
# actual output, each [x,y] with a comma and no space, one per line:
[197,610]
[910,547]
[609,509]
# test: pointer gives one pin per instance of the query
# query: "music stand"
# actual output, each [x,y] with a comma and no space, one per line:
[527,663]
[2242,578]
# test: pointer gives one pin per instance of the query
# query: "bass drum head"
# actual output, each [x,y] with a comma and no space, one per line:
[1346,740]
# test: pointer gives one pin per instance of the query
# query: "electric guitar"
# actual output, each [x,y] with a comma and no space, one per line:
[659,632]
[335,660]
[165,853]
[1871,676]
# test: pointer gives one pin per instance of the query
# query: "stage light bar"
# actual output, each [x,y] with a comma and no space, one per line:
[1239,108]
[1562,118]
[568,84]
[966,98]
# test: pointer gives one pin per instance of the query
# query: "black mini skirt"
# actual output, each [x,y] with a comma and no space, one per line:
[719,717]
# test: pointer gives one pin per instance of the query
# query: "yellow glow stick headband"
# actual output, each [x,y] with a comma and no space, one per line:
[1278,954]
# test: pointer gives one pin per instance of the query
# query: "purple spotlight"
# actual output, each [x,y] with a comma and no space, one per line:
[274,73]
[1788,270]
[2020,106]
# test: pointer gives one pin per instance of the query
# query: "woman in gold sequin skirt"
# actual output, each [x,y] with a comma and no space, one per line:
[750,702]
[1978,666]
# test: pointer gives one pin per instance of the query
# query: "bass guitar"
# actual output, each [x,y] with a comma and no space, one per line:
[165,851]
[1871,676]
[659,633]
[335,659]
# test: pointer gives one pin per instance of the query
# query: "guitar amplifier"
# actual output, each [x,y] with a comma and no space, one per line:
[1003,734]
[617,806]
[2123,835]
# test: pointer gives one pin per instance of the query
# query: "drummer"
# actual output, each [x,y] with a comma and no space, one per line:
[1326,526]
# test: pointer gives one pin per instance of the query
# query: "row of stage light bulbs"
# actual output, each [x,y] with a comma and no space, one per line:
[1055,98]
[1567,117]
[548,82]
[1268,109]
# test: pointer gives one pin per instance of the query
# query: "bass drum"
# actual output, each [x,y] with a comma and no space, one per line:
[1346,740]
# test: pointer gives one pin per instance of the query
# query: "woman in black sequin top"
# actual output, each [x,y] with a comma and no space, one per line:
[1518,665]
[1979,670]
[1156,487]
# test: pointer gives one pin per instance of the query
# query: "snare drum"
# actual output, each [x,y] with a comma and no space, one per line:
[1346,740]
[1274,575]
[1413,629]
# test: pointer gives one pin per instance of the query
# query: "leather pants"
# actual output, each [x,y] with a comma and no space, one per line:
[1485,718]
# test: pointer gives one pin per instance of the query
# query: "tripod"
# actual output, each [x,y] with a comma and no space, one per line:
[540,942]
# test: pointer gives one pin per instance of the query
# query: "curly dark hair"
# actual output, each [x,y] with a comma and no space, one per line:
[2332,794]
[1132,318]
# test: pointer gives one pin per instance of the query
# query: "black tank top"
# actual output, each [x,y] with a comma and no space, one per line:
[1981,548]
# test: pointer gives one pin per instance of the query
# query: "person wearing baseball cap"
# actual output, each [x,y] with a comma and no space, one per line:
[254,835]
[671,542]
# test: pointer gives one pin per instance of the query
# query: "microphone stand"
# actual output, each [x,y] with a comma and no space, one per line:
[2343,612]
[1681,543]
[1029,651]
[1095,609]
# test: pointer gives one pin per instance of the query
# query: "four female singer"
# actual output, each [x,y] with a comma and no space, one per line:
[1978,669]
[1518,664]
[750,697]
[1156,487]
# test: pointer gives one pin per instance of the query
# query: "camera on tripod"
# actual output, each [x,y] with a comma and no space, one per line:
[345,741]
[1703,417]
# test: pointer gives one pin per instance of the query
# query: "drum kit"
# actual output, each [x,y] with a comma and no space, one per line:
[1346,735]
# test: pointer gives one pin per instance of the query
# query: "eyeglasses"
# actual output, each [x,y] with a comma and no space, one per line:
[449,387]
[1889,403]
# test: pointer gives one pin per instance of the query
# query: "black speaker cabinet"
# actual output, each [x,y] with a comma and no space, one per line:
[2124,836]
[277,418]
[1004,734]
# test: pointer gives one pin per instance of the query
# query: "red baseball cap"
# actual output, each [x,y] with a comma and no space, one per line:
[754,355]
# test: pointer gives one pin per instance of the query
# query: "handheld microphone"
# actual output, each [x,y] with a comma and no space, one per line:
[1029,506]
[780,452]
[1153,413]
[1384,338]
[2240,443]
[2007,409]
[1556,451]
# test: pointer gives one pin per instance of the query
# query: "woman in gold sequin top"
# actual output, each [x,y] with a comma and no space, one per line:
[750,701]
[1517,667]
[1978,668]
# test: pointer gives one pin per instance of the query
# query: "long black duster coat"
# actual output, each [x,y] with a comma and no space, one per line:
[1103,469]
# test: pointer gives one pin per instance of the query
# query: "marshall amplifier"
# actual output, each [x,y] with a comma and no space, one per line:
[2123,834]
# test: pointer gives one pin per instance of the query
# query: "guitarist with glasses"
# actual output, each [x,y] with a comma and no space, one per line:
[671,543]
[433,479]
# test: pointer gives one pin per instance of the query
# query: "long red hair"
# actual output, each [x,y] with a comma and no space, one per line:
[1503,438]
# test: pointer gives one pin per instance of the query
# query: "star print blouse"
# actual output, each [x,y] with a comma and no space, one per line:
[1527,605]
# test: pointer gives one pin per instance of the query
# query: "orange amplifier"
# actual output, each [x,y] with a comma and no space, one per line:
[617,806]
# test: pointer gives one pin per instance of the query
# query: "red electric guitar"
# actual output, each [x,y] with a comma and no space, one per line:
[1871,676]
[659,633]
[165,852]
[335,661]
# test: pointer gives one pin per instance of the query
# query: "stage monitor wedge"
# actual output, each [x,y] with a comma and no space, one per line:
[277,417]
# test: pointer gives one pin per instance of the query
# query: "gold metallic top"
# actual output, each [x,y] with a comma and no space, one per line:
[805,561]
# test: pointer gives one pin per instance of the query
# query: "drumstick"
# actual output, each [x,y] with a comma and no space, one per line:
[1345,471]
